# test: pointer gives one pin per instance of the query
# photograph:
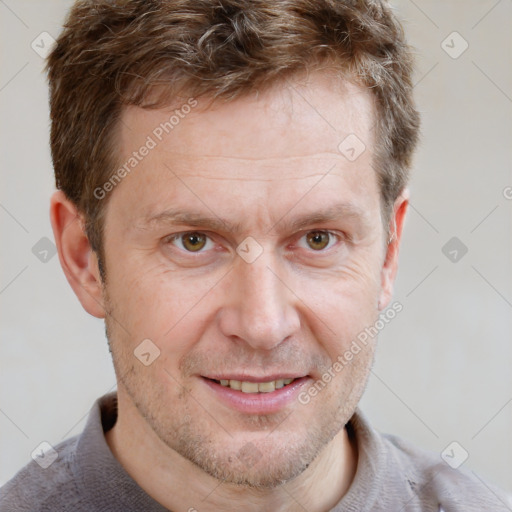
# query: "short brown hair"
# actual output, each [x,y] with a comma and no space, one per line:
[113,53]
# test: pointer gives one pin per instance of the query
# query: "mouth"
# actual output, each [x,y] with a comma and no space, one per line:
[256,395]
[246,386]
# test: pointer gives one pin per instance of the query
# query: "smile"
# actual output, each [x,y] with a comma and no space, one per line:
[254,387]
[263,395]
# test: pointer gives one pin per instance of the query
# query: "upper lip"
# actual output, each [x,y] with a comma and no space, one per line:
[252,378]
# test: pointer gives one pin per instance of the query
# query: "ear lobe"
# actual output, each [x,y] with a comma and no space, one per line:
[390,265]
[77,259]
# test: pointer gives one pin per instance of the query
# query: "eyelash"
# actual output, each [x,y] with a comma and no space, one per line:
[332,234]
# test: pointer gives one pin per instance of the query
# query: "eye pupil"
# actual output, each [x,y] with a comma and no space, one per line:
[194,241]
[318,240]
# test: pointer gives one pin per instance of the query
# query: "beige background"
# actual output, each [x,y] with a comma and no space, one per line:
[443,367]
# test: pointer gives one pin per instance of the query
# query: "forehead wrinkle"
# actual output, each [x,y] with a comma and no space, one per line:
[321,156]
[204,165]
[234,178]
[197,170]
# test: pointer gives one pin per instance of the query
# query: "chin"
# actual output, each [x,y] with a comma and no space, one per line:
[269,461]
[266,472]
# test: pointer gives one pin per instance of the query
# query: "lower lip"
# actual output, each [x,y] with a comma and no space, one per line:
[258,403]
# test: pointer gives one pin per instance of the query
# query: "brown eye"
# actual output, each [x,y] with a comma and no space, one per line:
[193,242]
[318,240]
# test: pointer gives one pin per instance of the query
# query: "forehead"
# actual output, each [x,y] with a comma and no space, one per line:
[258,147]
[312,113]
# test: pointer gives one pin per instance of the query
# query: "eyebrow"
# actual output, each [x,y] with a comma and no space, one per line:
[215,223]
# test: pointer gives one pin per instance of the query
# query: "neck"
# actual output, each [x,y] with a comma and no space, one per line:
[178,484]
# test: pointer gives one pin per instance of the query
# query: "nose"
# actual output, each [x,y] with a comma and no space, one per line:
[260,307]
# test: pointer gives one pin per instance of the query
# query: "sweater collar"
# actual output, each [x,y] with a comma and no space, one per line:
[110,486]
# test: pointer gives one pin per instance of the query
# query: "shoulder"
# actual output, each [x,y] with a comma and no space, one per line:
[455,488]
[39,488]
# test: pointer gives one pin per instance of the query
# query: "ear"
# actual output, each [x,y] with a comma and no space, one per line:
[76,256]
[390,265]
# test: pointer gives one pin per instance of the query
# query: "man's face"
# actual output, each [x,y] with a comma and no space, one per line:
[182,272]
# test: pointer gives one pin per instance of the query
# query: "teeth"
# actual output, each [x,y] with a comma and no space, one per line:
[234,384]
[255,387]
[267,387]
[249,387]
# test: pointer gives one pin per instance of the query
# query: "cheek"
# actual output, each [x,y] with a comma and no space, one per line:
[344,318]
[353,284]
[341,305]
[160,304]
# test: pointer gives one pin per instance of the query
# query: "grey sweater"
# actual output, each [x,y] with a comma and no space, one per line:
[391,476]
